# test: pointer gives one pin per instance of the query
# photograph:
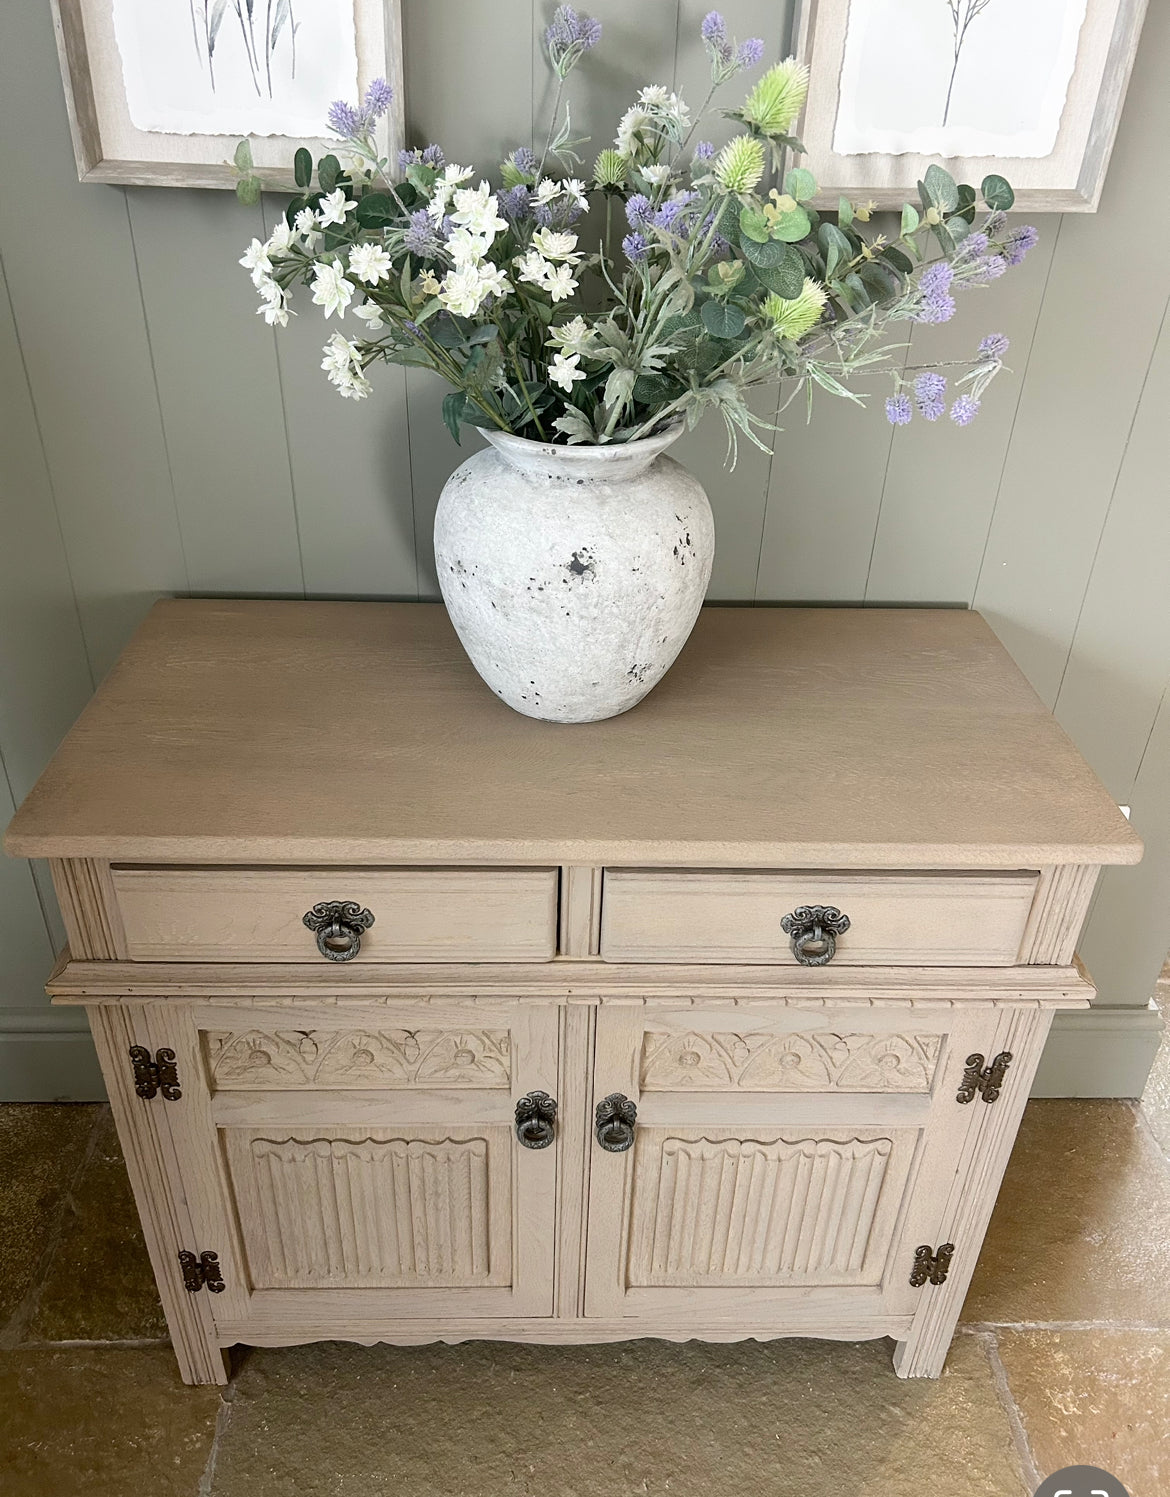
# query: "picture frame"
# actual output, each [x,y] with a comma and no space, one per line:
[871,132]
[109,147]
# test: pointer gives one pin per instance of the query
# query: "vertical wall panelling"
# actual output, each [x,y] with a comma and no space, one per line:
[215,363]
[941,480]
[71,272]
[349,459]
[1089,359]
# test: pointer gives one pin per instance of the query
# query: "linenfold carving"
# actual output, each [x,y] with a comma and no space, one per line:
[271,1060]
[789,1062]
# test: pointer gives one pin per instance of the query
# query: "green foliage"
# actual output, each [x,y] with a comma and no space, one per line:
[302,168]
[997,193]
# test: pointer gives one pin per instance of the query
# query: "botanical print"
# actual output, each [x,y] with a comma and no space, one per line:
[254,67]
[973,78]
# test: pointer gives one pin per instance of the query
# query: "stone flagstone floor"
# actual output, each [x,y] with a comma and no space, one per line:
[1063,1358]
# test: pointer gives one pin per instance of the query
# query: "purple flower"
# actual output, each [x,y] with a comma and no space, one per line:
[343,118]
[1019,242]
[433,156]
[713,28]
[667,217]
[543,215]
[378,98]
[898,410]
[749,53]
[420,238]
[429,156]
[937,308]
[990,268]
[639,211]
[964,410]
[704,151]
[929,389]
[524,161]
[569,36]
[936,279]
[972,247]
[514,202]
[995,225]
[994,346]
[634,247]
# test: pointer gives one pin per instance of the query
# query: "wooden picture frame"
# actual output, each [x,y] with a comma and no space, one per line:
[1068,179]
[108,147]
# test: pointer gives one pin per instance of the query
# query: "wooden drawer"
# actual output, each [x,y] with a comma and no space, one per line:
[896,920]
[257,914]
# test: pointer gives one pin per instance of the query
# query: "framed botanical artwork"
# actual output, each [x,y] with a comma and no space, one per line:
[160,92]
[1031,89]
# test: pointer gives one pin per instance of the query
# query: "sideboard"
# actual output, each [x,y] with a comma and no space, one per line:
[423,1021]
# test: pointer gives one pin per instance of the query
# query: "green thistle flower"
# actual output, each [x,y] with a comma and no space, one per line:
[776,100]
[610,169]
[740,164]
[793,318]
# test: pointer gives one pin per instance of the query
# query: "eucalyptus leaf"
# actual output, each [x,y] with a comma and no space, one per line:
[837,247]
[454,405]
[941,188]
[754,228]
[770,254]
[844,212]
[791,226]
[800,184]
[910,220]
[328,171]
[997,193]
[248,190]
[243,156]
[785,279]
[302,168]
[967,197]
[882,281]
[723,319]
[898,259]
[376,210]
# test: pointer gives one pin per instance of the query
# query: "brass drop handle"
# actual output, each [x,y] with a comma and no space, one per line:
[814,929]
[536,1120]
[614,1121]
[339,924]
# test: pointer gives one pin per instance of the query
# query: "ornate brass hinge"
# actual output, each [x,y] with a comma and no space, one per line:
[158,1075]
[931,1267]
[978,1078]
[200,1271]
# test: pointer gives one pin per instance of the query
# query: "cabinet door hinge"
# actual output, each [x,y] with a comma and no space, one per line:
[201,1271]
[158,1075]
[978,1078]
[930,1267]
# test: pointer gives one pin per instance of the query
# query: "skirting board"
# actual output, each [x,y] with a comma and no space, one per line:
[45,1060]
[1099,1052]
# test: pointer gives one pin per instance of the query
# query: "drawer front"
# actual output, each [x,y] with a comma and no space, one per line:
[896,920]
[257,915]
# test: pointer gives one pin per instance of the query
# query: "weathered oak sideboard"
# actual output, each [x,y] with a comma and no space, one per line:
[424,1021]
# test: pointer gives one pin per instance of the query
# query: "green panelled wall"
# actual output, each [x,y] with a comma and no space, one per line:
[156,437]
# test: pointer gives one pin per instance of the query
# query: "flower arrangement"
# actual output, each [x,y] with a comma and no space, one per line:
[666,282]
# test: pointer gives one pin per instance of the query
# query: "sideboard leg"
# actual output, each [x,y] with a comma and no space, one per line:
[986,1150]
[146,1145]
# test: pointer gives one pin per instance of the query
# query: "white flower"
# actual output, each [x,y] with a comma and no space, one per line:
[574,188]
[564,371]
[371,314]
[657,176]
[547,190]
[334,207]
[462,291]
[533,267]
[554,246]
[343,364]
[477,210]
[445,186]
[655,94]
[466,248]
[493,281]
[305,225]
[559,282]
[255,258]
[280,241]
[330,288]
[370,263]
[573,336]
[630,126]
[275,310]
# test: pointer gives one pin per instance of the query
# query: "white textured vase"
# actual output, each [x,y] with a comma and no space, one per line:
[573,575]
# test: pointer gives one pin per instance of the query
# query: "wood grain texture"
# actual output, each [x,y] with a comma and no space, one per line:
[580,911]
[961,919]
[1061,904]
[257,915]
[864,739]
[89,907]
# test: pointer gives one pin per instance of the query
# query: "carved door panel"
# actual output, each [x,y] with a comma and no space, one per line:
[784,1164]
[364,1166]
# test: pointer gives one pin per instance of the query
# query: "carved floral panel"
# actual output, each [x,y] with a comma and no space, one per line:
[327,1058]
[789,1062]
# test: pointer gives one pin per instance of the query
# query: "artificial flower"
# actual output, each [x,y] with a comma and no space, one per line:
[370,263]
[333,208]
[475,208]
[776,100]
[554,246]
[331,290]
[564,371]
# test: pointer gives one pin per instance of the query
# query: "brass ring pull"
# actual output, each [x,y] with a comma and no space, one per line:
[536,1120]
[614,1122]
[814,929]
[339,924]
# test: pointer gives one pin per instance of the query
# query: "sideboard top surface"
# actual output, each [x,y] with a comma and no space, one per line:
[358,732]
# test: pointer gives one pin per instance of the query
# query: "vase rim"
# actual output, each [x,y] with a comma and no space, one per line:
[597,459]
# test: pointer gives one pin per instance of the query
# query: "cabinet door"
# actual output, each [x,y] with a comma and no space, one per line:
[784,1167]
[363,1166]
